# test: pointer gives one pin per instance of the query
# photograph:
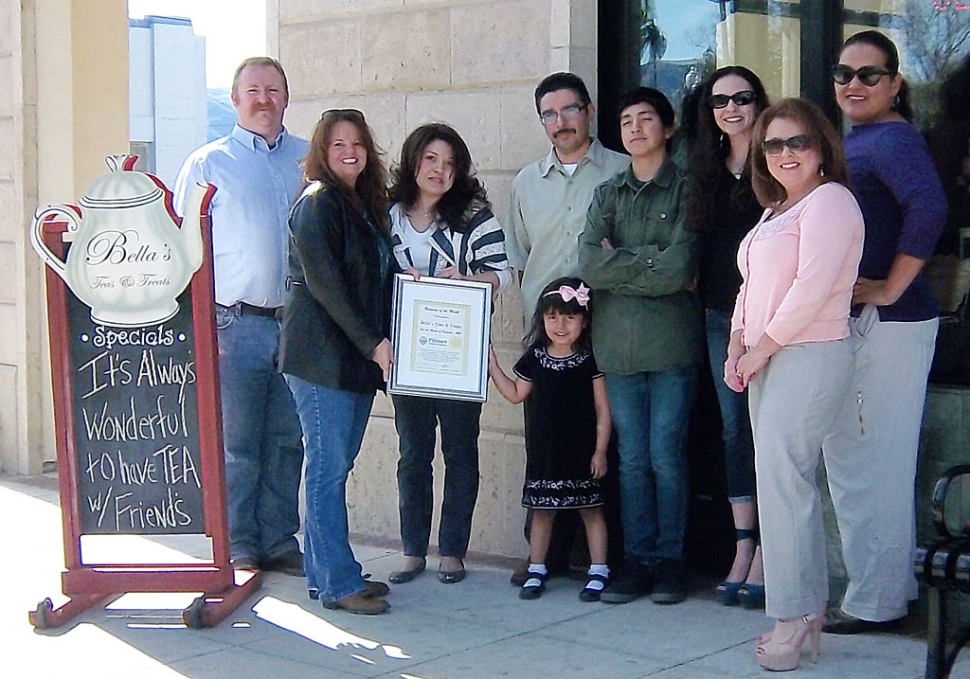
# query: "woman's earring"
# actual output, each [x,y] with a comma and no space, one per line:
[821,171]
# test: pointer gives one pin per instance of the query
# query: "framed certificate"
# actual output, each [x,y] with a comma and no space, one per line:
[440,329]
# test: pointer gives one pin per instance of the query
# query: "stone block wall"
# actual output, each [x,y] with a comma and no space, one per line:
[473,64]
[19,356]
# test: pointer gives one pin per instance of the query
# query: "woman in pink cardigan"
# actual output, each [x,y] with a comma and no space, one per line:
[788,349]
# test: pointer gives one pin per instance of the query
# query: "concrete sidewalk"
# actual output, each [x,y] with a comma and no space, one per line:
[478,628]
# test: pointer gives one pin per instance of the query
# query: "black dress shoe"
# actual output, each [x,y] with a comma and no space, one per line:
[520,574]
[290,563]
[400,577]
[244,563]
[842,623]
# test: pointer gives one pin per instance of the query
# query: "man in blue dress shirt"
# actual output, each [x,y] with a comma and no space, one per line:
[256,171]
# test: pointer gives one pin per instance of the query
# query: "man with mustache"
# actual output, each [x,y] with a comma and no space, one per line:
[547,214]
[257,175]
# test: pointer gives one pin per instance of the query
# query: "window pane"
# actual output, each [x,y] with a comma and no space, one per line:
[933,37]
[685,40]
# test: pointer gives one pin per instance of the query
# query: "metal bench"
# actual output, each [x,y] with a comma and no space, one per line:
[944,567]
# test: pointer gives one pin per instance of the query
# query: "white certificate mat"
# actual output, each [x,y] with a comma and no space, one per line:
[440,330]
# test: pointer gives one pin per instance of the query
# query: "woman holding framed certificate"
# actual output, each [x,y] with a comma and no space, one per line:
[334,351]
[442,226]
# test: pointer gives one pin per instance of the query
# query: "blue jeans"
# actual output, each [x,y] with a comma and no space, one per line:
[650,413]
[735,419]
[416,420]
[261,437]
[333,429]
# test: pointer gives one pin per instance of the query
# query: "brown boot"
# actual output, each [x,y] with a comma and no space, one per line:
[376,588]
[360,603]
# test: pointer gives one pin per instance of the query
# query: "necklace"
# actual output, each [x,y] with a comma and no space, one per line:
[426,214]
[791,201]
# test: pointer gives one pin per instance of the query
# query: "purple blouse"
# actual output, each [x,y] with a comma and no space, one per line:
[904,207]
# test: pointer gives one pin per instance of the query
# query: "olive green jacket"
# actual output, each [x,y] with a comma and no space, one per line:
[646,316]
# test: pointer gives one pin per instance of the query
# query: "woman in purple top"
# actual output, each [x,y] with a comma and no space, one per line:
[894,326]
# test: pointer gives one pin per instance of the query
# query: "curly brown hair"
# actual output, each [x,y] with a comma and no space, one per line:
[466,187]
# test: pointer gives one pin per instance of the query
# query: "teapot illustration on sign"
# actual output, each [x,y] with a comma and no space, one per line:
[129,260]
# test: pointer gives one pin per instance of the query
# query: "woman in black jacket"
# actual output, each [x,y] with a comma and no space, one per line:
[723,208]
[334,349]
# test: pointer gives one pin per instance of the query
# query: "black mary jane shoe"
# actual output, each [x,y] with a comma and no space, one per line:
[534,586]
[593,593]
[400,577]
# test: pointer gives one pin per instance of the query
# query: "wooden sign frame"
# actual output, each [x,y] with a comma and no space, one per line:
[222,588]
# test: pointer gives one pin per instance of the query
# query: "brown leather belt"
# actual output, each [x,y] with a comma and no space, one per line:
[244,309]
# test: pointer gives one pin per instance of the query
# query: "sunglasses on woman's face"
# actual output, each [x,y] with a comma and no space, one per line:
[796,144]
[867,75]
[742,98]
[343,112]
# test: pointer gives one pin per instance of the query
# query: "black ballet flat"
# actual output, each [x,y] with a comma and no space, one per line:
[400,577]
[451,577]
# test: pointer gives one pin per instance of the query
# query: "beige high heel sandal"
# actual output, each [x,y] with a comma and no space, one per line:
[781,652]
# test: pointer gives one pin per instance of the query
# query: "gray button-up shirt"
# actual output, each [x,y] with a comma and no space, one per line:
[547,214]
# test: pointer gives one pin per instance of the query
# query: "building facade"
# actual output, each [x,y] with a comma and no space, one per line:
[167,94]
[472,63]
[63,108]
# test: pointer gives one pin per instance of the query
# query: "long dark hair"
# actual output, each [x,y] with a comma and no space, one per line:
[466,187]
[550,300]
[890,55]
[371,184]
[821,135]
[711,147]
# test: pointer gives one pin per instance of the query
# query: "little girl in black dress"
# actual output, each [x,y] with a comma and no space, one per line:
[567,427]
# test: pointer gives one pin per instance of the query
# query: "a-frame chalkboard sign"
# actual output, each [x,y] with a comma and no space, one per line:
[134,367]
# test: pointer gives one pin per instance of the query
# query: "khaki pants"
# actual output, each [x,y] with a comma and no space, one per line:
[794,403]
[870,458]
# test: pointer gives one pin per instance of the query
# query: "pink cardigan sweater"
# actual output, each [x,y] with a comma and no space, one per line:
[799,268]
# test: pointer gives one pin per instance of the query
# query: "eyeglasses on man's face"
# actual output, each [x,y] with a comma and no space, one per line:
[742,98]
[796,144]
[568,113]
[867,75]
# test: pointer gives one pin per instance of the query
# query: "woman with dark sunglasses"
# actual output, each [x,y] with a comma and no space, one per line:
[872,452]
[789,350]
[723,208]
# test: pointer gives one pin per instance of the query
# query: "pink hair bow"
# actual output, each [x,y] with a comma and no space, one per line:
[580,294]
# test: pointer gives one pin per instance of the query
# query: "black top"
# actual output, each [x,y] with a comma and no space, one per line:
[736,211]
[560,414]
[338,307]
